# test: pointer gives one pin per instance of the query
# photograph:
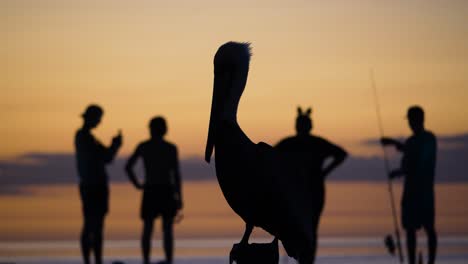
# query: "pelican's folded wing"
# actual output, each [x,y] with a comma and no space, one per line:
[288,198]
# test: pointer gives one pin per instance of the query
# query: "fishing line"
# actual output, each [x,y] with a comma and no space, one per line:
[387,168]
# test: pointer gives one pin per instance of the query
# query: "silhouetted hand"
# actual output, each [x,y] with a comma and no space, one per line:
[117,140]
[394,174]
[387,141]
[390,141]
[139,186]
[179,216]
[179,204]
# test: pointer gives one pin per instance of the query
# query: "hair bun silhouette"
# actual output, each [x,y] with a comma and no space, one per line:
[303,120]
[306,113]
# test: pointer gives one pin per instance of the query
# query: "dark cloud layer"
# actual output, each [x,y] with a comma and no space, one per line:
[444,141]
[45,168]
[452,161]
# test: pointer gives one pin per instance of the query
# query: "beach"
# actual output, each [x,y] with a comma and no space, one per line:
[354,223]
[197,251]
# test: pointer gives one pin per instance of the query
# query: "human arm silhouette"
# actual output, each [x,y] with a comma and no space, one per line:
[385,141]
[338,155]
[396,173]
[129,169]
[110,152]
[177,180]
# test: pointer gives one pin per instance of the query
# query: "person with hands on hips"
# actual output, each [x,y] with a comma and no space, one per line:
[162,194]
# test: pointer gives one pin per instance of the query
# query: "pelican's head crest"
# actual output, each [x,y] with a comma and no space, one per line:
[232,57]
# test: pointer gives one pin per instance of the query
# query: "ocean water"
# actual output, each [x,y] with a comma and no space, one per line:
[43,225]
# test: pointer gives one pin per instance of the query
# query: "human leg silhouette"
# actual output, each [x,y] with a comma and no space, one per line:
[431,243]
[320,199]
[167,224]
[85,241]
[98,227]
[314,247]
[411,245]
[146,239]
[305,257]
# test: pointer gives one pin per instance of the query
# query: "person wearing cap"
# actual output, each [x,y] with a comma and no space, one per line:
[313,151]
[92,157]
[162,195]
[418,168]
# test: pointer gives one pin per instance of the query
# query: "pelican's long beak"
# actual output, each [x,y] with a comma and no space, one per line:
[210,142]
[219,84]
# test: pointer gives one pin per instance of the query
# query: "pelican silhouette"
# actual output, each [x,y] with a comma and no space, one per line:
[265,187]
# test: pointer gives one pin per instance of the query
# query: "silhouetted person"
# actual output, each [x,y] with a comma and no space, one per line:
[313,151]
[92,157]
[161,189]
[418,167]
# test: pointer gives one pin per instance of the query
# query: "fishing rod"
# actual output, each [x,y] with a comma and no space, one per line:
[388,240]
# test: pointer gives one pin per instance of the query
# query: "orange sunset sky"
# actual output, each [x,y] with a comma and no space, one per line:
[144,58]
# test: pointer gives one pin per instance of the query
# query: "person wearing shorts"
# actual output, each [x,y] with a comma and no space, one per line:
[418,168]
[161,187]
[91,158]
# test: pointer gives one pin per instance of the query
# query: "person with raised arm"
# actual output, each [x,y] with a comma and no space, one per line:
[92,157]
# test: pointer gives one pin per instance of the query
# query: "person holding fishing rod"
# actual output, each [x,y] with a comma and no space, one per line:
[418,168]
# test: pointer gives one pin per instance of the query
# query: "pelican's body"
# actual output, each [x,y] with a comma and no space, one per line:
[265,187]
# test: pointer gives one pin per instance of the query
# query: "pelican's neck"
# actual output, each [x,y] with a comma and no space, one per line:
[231,105]
[229,87]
